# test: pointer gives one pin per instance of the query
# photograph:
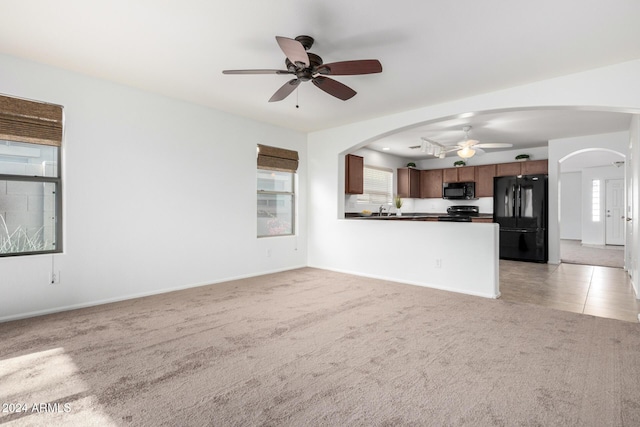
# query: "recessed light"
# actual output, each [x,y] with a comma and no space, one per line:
[386,148]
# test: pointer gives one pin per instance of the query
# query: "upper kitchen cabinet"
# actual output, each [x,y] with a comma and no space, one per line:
[431,183]
[508,169]
[466,174]
[484,180]
[354,174]
[531,167]
[409,183]
[535,167]
[461,174]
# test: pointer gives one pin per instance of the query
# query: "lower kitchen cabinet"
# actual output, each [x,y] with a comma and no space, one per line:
[486,220]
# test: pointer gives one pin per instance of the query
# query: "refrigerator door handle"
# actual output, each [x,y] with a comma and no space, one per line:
[519,201]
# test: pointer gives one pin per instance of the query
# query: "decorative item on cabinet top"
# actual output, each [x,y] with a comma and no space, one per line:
[459,163]
[522,157]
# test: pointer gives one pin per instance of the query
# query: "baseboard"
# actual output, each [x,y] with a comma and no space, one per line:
[409,282]
[138,295]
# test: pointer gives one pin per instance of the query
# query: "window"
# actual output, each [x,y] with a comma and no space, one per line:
[276,191]
[30,208]
[595,200]
[378,186]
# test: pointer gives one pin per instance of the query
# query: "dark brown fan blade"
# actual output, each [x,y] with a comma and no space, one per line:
[334,88]
[285,90]
[255,72]
[294,50]
[350,68]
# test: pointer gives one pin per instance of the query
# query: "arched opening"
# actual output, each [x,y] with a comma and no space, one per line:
[591,207]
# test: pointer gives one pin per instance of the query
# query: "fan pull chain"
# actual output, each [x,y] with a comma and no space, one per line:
[297,96]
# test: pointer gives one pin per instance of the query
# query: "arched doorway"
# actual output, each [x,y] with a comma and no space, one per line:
[592,205]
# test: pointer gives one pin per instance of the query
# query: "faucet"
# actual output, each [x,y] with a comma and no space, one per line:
[380,210]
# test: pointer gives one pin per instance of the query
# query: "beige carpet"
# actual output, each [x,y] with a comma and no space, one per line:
[574,252]
[311,347]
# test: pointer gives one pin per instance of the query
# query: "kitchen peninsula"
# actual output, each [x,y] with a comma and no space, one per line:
[417,216]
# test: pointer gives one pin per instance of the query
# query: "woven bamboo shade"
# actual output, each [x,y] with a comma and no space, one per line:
[279,159]
[30,121]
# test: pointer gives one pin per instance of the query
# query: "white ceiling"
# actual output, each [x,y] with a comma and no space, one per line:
[431,52]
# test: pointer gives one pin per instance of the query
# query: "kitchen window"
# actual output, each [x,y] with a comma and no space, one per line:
[30,179]
[276,186]
[378,186]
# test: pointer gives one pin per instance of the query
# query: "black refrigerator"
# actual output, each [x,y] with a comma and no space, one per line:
[520,207]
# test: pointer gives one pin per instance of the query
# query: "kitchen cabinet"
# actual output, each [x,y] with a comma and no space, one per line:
[461,174]
[431,183]
[535,167]
[354,174]
[450,175]
[484,180]
[467,174]
[409,183]
[486,220]
[508,169]
[531,167]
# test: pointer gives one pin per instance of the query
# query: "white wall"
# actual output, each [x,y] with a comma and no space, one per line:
[571,206]
[158,194]
[614,88]
[593,233]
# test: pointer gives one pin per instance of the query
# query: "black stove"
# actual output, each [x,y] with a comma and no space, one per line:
[462,213]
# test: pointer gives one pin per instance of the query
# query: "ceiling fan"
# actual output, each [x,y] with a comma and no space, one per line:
[307,66]
[466,148]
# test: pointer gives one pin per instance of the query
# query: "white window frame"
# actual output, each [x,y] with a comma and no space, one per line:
[291,194]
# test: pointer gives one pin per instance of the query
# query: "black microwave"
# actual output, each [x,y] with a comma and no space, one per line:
[459,190]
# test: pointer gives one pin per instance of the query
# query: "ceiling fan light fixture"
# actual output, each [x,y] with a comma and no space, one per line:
[466,153]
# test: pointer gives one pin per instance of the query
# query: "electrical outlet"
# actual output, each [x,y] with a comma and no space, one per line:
[54,278]
[438,262]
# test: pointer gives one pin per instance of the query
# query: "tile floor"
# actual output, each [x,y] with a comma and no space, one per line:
[599,291]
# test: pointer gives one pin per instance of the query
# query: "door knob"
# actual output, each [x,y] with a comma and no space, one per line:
[629,219]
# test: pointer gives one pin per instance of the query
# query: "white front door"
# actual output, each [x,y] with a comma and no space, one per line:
[615,217]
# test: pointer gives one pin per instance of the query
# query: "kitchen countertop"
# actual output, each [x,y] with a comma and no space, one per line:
[419,216]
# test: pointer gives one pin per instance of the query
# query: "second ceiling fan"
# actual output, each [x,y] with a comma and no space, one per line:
[465,149]
[307,66]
